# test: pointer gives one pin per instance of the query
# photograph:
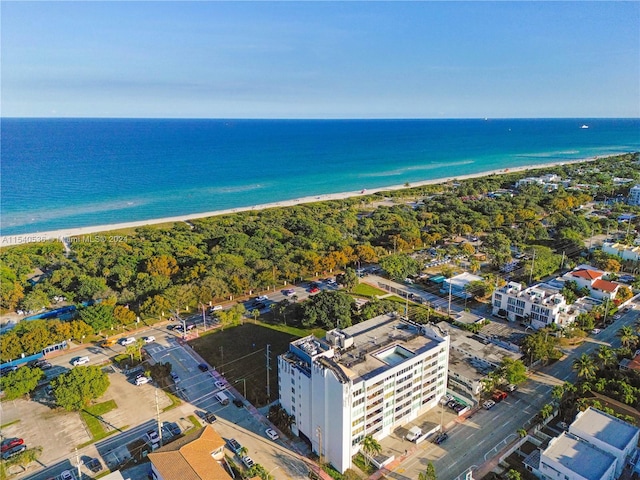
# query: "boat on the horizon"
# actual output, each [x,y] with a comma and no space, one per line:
[584,126]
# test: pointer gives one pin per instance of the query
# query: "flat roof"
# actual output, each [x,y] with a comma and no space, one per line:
[463,341]
[374,344]
[578,456]
[604,427]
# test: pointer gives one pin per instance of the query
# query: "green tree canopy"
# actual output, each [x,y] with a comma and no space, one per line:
[99,317]
[328,310]
[399,266]
[21,382]
[76,388]
[513,371]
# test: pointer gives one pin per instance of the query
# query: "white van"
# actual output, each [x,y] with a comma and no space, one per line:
[414,434]
[222,398]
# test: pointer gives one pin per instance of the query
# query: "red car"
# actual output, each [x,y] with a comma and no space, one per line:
[9,443]
[314,290]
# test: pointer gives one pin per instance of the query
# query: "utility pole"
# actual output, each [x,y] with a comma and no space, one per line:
[78,465]
[158,418]
[268,355]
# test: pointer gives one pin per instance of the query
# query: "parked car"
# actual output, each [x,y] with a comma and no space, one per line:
[596,331]
[220,385]
[66,475]
[94,465]
[234,445]
[248,462]
[511,387]
[127,341]
[289,291]
[154,438]
[8,369]
[175,377]
[149,339]
[172,428]
[44,365]
[9,443]
[215,308]
[238,403]
[272,434]
[314,290]
[80,361]
[14,451]
[203,367]
[498,396]
[489,404]
[142,380]
[441,438]
[262,298]
[206,416]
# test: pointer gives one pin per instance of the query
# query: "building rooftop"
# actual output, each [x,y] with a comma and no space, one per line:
[189,457]
[578,456]
[473,345]
[382,343]
[468,367]
[605,285]
[604,427]
[468,318]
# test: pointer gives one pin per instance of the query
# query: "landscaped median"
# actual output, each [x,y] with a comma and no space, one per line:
[92,417]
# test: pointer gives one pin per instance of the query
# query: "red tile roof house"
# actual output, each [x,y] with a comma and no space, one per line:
[193,457]
[591,278]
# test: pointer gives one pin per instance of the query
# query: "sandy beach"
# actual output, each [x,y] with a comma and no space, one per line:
[89,234]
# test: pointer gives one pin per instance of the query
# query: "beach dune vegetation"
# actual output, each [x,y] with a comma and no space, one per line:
[163,269]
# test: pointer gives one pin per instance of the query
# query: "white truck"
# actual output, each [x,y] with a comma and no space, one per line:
[414,434]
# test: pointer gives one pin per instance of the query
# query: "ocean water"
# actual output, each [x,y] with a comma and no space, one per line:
[66,173]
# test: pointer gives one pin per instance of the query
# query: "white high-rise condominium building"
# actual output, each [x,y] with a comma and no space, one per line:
[363,380]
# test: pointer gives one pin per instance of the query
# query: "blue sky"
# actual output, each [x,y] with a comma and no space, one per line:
[320,59]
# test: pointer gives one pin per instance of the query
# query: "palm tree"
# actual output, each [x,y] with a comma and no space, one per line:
[522,432]
[584,366]
[557,392]
[429,473]
[546,411]
[256,314]
[370,447]
[627,336]
[606,356]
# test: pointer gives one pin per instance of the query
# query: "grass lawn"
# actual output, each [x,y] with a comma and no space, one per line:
[239,353]
[175,401]
[367,290]
[94,425]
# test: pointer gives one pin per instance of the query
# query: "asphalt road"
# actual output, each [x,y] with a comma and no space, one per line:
[482,436]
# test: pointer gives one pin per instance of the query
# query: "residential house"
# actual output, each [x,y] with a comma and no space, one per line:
[192,457]
[591,277]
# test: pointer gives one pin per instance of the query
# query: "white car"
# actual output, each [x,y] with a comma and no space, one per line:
[262,298]
[175,377]
[66,475]
[220,385]
[596,331]
[488,404]
[142,380]
[154,438]
[127,341]
[80,361]
[271,433]
[247,461]
[149,339]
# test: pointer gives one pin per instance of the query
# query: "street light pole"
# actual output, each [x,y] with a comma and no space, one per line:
[244,385]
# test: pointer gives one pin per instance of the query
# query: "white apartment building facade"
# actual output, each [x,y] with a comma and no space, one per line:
[634,195]
[540,304]
[363,380]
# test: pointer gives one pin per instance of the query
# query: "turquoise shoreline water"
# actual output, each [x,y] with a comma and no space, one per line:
[69,173]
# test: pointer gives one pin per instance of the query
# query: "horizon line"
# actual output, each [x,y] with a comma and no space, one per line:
[2,117]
